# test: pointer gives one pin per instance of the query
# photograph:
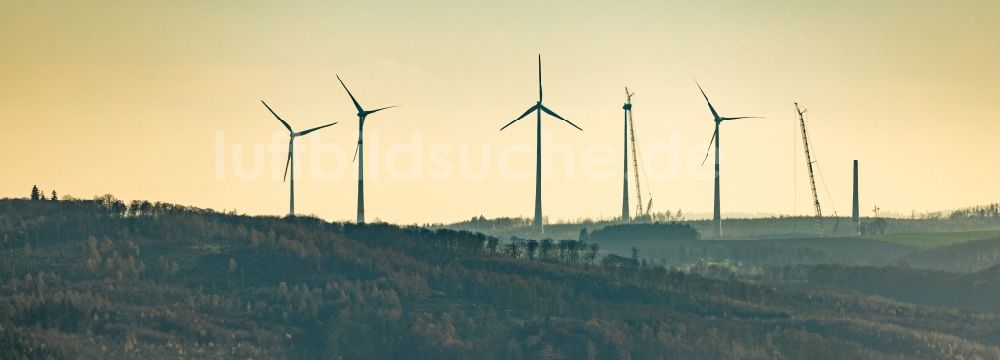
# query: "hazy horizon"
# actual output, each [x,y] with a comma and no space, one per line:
[162,102]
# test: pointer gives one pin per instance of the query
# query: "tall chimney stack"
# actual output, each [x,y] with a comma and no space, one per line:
[855,214]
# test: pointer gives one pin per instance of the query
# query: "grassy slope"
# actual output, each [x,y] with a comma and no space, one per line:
[933,240]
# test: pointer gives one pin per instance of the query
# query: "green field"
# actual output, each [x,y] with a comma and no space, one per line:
[933,240]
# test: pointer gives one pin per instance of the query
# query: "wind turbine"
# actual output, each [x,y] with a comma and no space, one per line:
[628,110]
[538,108]
[290,163]
[359,151]
[717,214]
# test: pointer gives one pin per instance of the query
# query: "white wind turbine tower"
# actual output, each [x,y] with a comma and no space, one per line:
[628,111]
[538,108]
[359,151]
[717,213]
[290,163]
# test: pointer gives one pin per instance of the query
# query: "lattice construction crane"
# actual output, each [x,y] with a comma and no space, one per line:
[640,212]
[809,165]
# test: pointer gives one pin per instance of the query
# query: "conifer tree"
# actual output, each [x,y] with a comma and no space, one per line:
[35,194]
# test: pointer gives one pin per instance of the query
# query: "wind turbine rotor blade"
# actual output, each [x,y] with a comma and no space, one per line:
[315,128]
[709,149]
[380,109]
[710,107]
[355,101]
[356,147]
[287,163]
[289,127]
[741,117]
[530,110]
[539,78]
[550,112]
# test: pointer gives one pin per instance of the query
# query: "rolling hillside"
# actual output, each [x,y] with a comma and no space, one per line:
[103,279]
[976,291]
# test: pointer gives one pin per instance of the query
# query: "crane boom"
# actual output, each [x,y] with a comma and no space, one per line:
[635,164]
[809,162]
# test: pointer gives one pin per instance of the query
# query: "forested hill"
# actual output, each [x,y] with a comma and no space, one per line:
[100,279]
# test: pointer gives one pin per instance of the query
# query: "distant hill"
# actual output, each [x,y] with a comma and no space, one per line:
[977,291]
[967,256]
[761,253]
[645,232]
[104,279]
[784,227]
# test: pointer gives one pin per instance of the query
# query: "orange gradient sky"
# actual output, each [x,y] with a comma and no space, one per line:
[158,100]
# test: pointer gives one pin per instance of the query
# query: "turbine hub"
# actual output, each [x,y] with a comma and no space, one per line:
[627,107]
